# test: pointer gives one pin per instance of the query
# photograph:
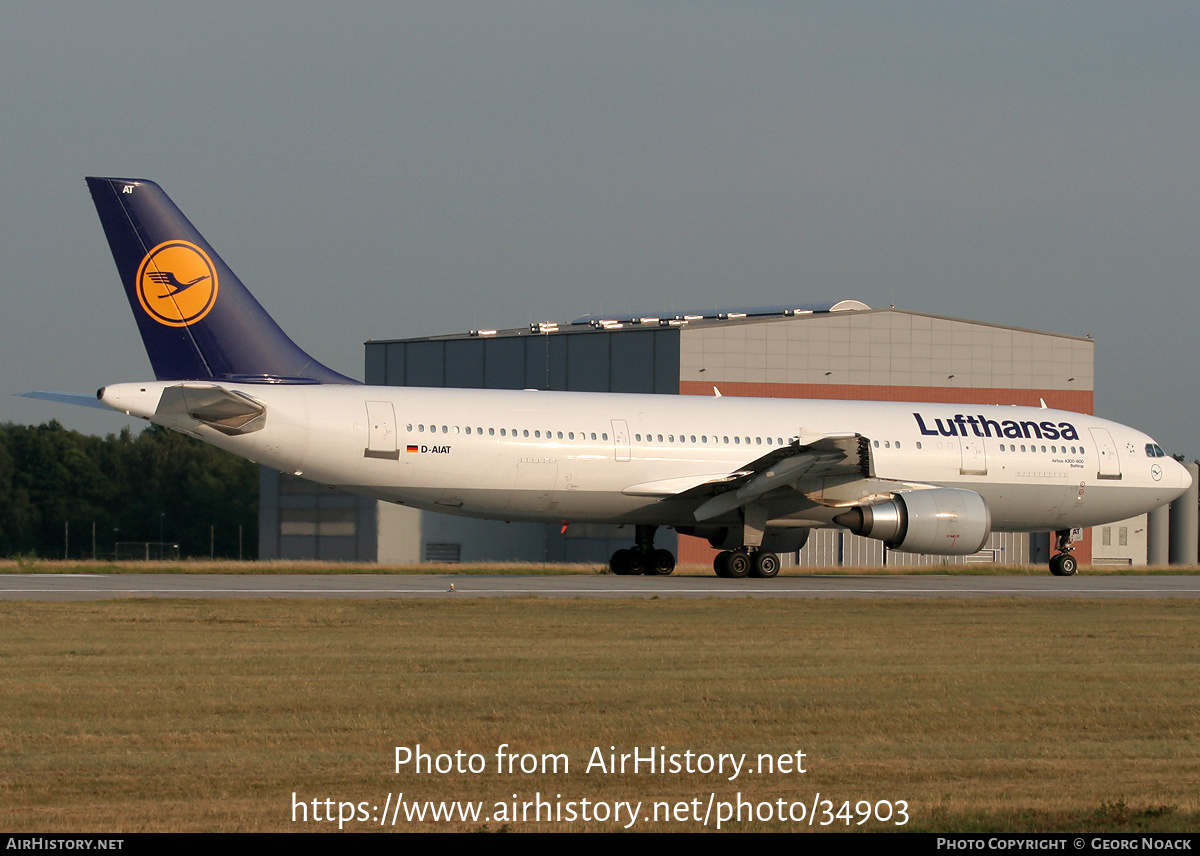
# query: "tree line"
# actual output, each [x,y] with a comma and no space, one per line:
[58,487]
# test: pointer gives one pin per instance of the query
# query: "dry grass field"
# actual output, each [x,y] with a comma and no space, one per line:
[991,714]
[284,566]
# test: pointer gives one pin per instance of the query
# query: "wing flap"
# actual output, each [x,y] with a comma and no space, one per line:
[807,457]
[785,472]
[676,486]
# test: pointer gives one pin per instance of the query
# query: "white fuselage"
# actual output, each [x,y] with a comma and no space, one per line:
[601,457]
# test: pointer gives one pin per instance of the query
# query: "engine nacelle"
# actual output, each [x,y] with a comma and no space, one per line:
[730,537]
[944,521]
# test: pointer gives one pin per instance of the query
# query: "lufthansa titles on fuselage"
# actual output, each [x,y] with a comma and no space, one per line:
[962,425]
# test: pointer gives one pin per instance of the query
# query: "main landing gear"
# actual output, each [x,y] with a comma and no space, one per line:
[1063,564]
[643,558]
[746,561]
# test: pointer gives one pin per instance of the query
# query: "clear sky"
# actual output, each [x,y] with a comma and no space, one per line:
[402,169]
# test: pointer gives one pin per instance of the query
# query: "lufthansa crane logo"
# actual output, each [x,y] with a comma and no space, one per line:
[177,283]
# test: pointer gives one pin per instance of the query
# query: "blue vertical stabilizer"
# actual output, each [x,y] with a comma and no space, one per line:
[197,320]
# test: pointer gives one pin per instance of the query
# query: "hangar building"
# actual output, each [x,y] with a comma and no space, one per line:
[835,350]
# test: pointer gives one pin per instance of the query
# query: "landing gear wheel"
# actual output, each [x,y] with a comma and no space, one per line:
[739,564]
[721,564]
[661,563]
[619,564]
[764,564]
[1063,565]
[639,562]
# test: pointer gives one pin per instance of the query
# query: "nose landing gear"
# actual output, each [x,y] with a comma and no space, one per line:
[1063,564]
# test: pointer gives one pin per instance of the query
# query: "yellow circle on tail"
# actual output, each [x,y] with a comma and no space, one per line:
[177,283]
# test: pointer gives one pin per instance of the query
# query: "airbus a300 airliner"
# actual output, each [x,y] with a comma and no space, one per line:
[753,476]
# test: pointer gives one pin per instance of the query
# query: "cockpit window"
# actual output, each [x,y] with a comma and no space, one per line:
[1153,450]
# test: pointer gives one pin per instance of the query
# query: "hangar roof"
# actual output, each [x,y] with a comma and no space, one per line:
[786,310]
[710,318]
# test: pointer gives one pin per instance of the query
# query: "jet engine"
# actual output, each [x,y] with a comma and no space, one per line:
[944,521]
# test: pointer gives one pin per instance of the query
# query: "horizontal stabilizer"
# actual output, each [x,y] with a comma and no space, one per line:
[77,398]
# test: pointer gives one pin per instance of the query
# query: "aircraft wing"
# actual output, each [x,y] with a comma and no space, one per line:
[806,457]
